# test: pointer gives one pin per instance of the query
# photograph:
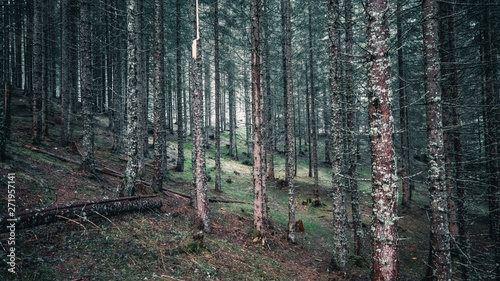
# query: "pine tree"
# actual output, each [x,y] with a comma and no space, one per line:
[159,99]
[260,215]
[133,81]
[88,153]
[439,255]
[288,101]
[384,177]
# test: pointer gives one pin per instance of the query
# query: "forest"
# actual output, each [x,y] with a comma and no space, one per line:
[250,140]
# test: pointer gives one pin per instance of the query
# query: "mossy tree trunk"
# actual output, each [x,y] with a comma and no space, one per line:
[88,153]
[339,255]
[133,82]
[439,255]
[159,129]
[384,177]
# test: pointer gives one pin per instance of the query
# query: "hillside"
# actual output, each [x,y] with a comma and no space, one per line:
[164,244]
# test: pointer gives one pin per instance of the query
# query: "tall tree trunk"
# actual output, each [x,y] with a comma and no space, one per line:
[218,186]
[88,153]
[289,130]
[384,177]
[199,167]
[159,99]
[269,104]
[180,122]
[260,216]
[233,148]
[65,90]
[248,113]
[339,256]
[352,143]
[314,128]
[37,73]
[142,86]
[118,99]
[439,255]
[133,81]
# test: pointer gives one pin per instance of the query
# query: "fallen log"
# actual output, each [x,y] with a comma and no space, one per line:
[104,207]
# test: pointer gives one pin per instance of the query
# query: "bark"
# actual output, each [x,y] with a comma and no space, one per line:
[339,255]
[384,177]
[269,105]
[88,155]
[314,128]
[352,143]
[65,91]
[31,218]
[118,98]
[37,73]
[233,148]
[289,130]
[248,113]
[259,167]
[4,86]
[159,99]
[217,97]
[180,127]
[199,166]
[439,255]
[133,81]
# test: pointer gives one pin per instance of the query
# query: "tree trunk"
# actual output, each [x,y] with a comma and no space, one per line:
[26,219]
[352,142]
[118,99]
[218,187]
[260,215]
[314,128]
[65,65]
[133,81]
[159,99]
[180,129]
[339,256]
[384,177]
[199,166]
[88,155]
[439,255]
[248,113]
[233,148]
[269,99]
[288,100]
[37,73]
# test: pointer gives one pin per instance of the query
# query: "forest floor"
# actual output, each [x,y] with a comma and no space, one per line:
[159,244]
